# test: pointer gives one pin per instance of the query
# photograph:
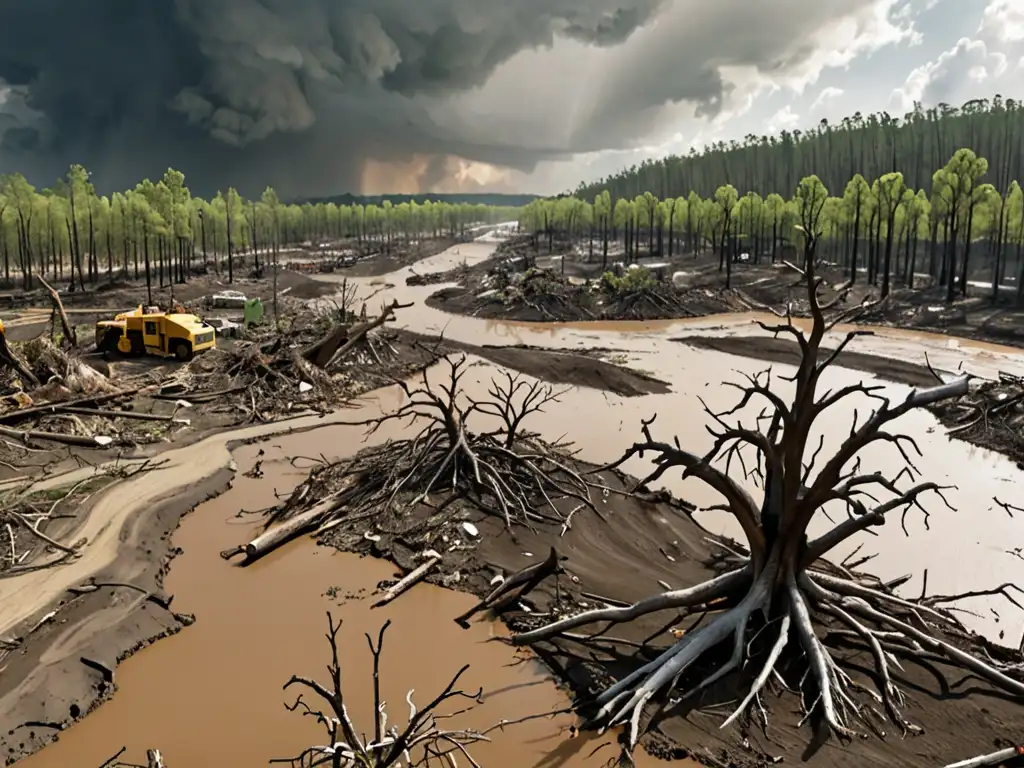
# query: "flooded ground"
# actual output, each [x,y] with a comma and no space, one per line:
[980,535]
[211,695]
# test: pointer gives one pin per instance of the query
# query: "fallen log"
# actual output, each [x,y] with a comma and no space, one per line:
[414,577]
[343,338]
[993,758]
[506,592]
[111,414]
[25,435]
[42,410]
[275,537]
[197,397]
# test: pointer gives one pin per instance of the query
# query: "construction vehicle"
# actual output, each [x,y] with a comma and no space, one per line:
[152,332]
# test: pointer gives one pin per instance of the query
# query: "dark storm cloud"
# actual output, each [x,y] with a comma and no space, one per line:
[294,92]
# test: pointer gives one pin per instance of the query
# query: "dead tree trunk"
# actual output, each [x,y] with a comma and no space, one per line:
[344,337]
[780,584]
[58,307]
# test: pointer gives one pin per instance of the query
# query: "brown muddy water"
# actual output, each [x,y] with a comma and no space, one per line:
[211,696]
[978,538]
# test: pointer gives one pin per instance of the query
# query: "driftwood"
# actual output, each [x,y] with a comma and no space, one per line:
[307,521]
[344,337]
[77,375]
[153,760]
[993,758]
[508,591]
[26,435]
[113,414]
[11,358]
[58,307]
[42,410]
[413,578]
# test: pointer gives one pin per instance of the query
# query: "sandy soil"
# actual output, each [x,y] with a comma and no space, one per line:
[400,257]
[559,367]
[128,539]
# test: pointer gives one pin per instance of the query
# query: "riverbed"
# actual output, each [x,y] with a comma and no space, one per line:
[211,695]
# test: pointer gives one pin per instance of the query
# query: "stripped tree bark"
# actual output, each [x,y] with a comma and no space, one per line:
[780,584]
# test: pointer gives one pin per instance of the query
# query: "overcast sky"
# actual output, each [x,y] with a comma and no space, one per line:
[318,97]
[857,56]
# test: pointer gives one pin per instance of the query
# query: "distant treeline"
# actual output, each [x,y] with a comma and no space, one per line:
[493,200]
[872,146]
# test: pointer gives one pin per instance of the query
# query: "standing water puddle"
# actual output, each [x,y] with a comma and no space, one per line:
[977,538]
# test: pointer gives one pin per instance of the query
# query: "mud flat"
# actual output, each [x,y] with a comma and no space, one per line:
[128,531]
[556,292]
[212,695]
[629,543]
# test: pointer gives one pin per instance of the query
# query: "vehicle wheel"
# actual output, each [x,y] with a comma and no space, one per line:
[183,351]
[138,346]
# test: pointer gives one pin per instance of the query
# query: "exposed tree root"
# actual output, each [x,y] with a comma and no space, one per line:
[504,472]
[781,584]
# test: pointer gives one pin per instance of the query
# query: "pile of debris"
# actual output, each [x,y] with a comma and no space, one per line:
[314,363]
[315,360]
[459,274]
[431,494]
[991,415]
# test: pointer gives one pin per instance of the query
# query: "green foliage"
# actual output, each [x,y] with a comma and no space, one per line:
[632,280]
[956,189]
[37,227]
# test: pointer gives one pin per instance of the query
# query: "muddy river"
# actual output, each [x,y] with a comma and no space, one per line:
[211,696]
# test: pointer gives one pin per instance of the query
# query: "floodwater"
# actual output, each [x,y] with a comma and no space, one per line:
[977,538]
[211,696]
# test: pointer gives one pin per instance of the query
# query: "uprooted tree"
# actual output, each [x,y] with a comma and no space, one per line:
[421,741]
[505,471]
[780,585]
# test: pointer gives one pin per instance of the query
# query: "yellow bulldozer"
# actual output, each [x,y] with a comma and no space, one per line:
[152,332]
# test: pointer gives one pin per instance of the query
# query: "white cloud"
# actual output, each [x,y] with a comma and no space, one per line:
[1003,20]
[783,120]
[950,77]
[827,94]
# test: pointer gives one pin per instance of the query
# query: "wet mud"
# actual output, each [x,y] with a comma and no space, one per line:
[554,292]
[111,623]
[616,561]
[211,696]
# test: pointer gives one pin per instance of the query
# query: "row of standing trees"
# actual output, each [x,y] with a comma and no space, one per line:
[871,145]
[68,231]
[958,227]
